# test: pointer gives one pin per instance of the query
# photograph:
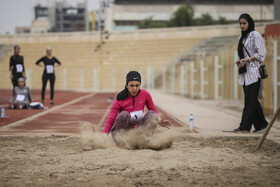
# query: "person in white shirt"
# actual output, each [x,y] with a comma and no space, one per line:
[251,51]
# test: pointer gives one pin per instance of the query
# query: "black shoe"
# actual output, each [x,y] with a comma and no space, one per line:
[260,130]
[52,103]
[239,130]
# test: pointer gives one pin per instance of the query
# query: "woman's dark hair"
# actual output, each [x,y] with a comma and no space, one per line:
[244,34]
[15,47]
[15,55]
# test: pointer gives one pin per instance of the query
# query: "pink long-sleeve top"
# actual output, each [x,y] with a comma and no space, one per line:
[130,104]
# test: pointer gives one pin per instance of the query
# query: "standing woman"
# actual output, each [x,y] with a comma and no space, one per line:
[251,52]
[16,67]
[48,74]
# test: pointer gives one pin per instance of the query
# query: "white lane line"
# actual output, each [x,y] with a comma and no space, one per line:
[18,123]
[101,122]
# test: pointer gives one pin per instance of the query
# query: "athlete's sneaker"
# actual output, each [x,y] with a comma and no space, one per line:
[239,130]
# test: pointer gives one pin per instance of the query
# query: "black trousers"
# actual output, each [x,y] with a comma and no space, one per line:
[45,79]
[252,112]
[15,81]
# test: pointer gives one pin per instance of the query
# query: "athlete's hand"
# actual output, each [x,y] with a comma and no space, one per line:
[164,123]
[11,77]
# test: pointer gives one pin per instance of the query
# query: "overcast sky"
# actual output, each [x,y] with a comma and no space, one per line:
[21,12]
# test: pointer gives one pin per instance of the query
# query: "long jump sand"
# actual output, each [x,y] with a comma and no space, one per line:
[192,161]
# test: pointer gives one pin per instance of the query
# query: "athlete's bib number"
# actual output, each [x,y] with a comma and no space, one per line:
[19,68]
[20,97]
[49,69]
[136,117]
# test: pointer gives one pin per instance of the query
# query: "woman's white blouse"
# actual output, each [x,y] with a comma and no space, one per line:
[254,44]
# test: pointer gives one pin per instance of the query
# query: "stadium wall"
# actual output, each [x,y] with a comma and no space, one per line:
[184,32]
[81,64]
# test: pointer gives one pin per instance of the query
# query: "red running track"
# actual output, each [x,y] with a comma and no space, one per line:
[65,118]
[14,115]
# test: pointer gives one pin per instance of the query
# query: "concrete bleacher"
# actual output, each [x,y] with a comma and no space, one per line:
[208,70]
[147,51]
[207,47]
[143,54]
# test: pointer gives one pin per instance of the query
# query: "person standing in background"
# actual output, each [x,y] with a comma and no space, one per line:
[16,67]
[251,51]
[49,62]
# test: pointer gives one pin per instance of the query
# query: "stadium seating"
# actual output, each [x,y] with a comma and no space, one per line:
[148,51]
[81,62]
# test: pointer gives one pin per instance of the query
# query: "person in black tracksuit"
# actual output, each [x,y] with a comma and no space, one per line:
[48,74]
[16,67]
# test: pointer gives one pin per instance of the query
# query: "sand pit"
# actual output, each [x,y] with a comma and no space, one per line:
[192,161]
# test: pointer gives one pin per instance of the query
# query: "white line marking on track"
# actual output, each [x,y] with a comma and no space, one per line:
[101,122]
[20,122]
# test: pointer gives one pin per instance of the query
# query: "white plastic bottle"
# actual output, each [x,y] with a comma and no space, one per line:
[191,122]
[3,112]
